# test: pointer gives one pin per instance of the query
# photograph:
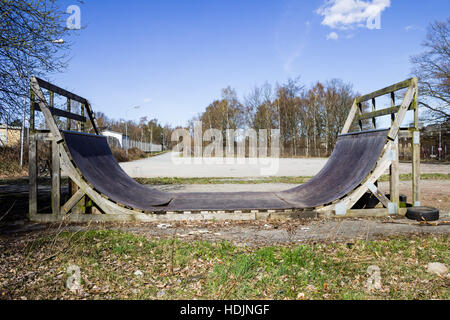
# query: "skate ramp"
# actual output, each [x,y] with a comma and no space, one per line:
[352,160]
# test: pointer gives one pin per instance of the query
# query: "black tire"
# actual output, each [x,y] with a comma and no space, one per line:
[422,213]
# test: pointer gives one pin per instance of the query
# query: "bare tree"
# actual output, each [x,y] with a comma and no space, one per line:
[30,33]
[433,69]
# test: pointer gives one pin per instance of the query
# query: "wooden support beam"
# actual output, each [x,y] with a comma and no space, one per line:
[45,110]
[416,168]
[379,113]
[92,117]
[394,171]
[68,111]
[416,150]
[43,136]
[393,106]
[32,176]
[83,124]
[360,111]
[56,179]
[63,113]
[72,202]
[351,116]
[52,100]
[374,121]
[378,194]
[377,212]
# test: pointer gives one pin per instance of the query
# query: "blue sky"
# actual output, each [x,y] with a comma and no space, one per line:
[172,58]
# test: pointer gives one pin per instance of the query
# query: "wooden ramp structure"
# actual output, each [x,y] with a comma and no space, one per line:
[102,191]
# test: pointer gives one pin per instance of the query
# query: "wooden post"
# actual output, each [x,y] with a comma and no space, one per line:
[32,111]
[416,167]
[56,179]
[394,184]
[83,124]
[32,173]
[360,113]
[416,149]
[68,110]
[374,120]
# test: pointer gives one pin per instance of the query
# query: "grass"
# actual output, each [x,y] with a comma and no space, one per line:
[10,162]
[175,269]
[218,180]
[292,180]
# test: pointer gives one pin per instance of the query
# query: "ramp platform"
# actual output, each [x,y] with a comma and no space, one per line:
[354,167]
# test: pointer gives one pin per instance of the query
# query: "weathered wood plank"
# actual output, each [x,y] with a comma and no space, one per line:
[379,113]
[377,212]
[407,100]
[56,179]
[378,194]
[43,136]
[394,172]
[416,150]
[53,88]
[350,118]
[92,117]
[394,87]
[416,168]
[68,111]
[83,124]
[32,174]
[360,111]
[72,202]
[45,110]
[64,114]
[374,120]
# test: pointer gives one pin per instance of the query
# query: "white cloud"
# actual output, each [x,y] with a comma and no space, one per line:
[333,36]
[411,28]
[348,14]
[147,100]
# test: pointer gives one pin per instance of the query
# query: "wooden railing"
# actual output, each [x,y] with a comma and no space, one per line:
[68,114]
[409,103]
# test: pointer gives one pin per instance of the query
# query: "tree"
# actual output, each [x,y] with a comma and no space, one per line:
[29,34]
[433,69]
[339,98]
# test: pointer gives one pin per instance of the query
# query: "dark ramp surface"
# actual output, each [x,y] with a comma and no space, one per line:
[353,158]
[93,157]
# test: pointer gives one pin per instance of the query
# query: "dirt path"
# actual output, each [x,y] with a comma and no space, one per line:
[435,193]
[253,233]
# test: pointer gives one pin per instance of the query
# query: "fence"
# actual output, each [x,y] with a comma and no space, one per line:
[128,144]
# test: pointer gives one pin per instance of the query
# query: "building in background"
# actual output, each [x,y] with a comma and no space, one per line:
[9,135]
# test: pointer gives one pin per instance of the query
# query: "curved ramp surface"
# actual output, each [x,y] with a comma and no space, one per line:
[353,159]
[94,159]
